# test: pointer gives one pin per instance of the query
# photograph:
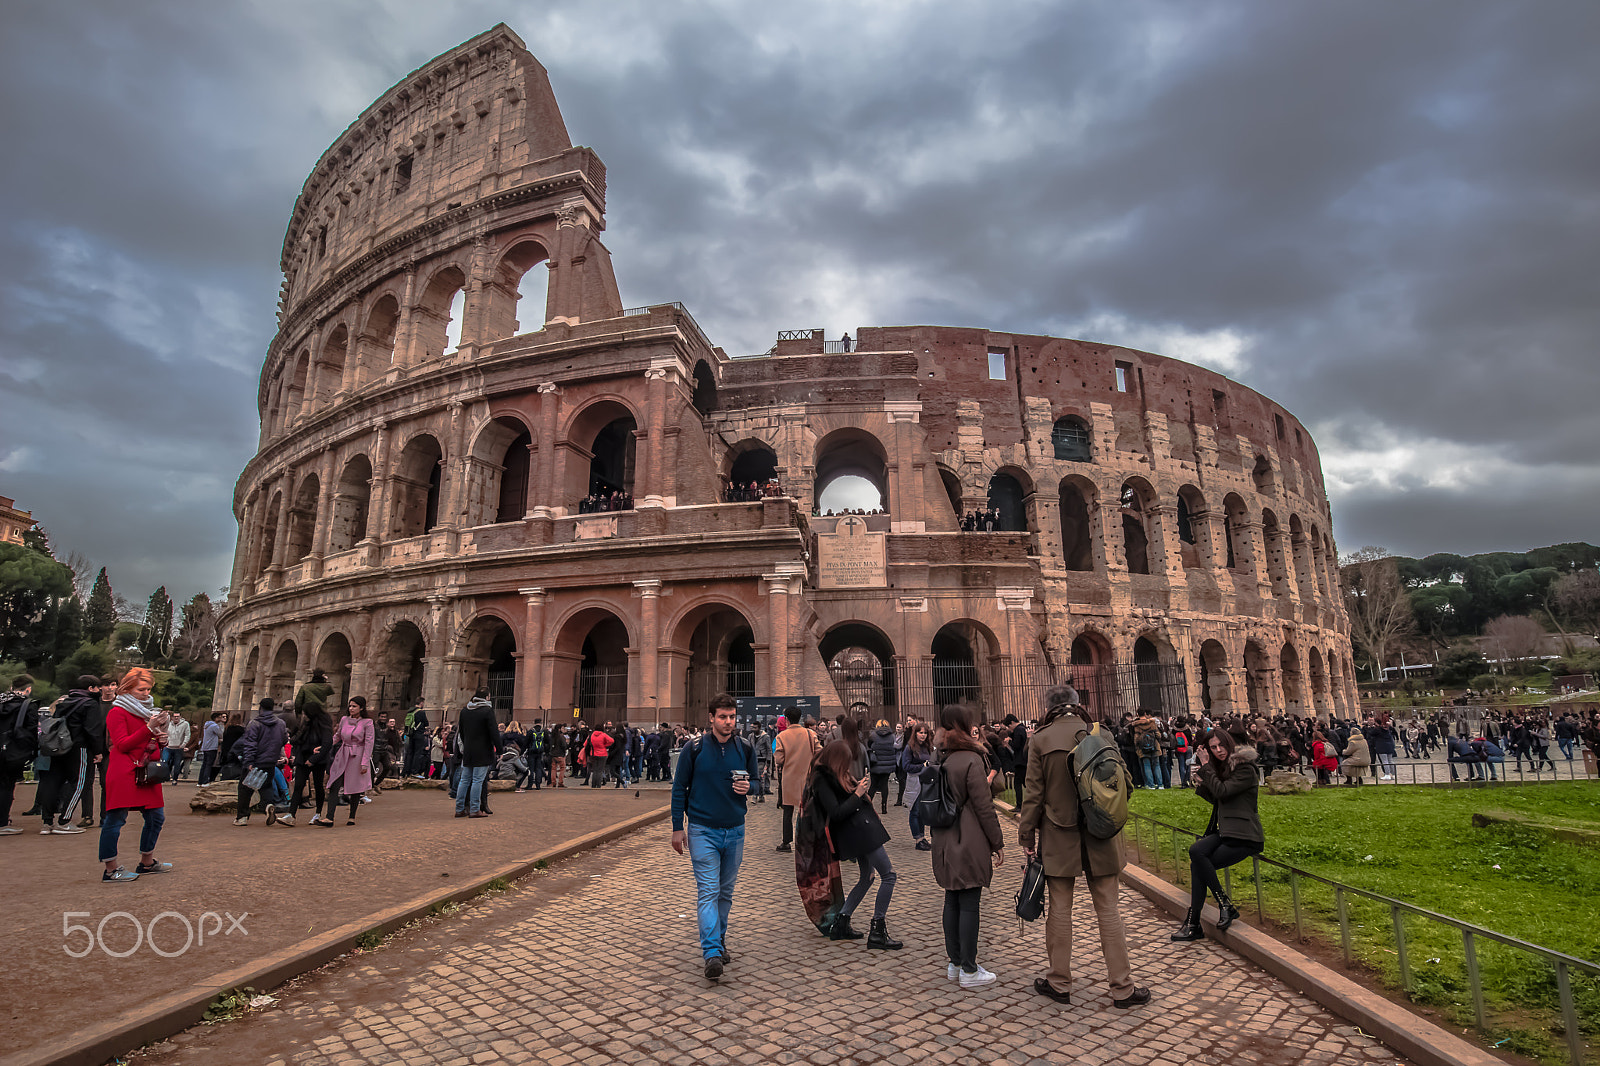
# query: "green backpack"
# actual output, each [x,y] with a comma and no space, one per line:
[1104,784]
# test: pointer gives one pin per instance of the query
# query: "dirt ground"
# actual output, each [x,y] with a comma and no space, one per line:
[282,885]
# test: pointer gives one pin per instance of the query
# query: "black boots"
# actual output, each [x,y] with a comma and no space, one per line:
[841,929]
[1226,912]
[879,937]
[1190,929]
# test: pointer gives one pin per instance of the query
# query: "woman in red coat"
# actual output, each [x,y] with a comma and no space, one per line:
[136,734]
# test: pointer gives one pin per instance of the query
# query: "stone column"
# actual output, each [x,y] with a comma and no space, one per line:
[649,643]
[324,526]
[530,672]
[778,632]
[280,542]
[405,329]
[655,418]
[453,490]
[549,406]
[378,491]
[242,549]
[433,664]
[361,655]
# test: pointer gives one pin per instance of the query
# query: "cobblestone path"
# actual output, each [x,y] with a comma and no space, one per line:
[595,961]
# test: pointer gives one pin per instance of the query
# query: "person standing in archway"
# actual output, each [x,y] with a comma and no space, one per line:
[794,752]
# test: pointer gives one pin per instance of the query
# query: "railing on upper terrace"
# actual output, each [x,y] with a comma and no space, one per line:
[1343,909]
[630,312]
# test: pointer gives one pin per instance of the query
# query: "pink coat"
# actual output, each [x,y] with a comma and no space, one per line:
[353,763]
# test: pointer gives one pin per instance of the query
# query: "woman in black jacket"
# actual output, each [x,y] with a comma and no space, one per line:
[313,751]
[856,833]
[1228,782]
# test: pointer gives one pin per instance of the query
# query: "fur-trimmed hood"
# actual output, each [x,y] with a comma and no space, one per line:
[1244,754]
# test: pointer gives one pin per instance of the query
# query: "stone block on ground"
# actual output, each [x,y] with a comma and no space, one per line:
[1287,782]
[221,797]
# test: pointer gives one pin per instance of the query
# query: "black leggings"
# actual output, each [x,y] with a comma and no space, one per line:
[1208,855]
[336,793]
[315,775]
[875,862]
[961,927]
[880,783]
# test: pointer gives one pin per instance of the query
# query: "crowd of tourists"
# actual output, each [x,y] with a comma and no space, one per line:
[985,521]
[751,491]
[600,501]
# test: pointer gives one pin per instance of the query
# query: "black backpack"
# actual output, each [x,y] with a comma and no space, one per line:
[18,743]
[936,803]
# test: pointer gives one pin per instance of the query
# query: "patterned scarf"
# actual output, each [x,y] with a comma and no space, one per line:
[145,708]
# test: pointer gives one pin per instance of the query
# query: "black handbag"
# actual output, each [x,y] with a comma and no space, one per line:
[152,773]
[1030,897]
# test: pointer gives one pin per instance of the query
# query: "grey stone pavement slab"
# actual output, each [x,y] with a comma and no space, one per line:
[596,961]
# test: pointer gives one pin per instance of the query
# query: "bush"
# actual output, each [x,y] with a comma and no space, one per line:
[1484,683]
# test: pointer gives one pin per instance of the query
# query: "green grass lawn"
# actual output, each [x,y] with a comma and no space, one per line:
[1419,845]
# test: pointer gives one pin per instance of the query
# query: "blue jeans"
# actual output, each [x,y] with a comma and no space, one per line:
[1565,744]
[716,854]
[173,758]
[1151,778]
[111,828]
[1183,768]
[470,788]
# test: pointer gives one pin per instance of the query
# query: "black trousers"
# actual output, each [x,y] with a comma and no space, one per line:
[9,776]
[788,825]
[900,786]
[1208,855]
[961,927]
[316,775]
[59,786]
[880,783]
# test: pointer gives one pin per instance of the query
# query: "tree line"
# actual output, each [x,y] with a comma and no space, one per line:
[57,623]
[1439,605]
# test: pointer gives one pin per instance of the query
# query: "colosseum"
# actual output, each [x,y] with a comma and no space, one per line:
[477,467]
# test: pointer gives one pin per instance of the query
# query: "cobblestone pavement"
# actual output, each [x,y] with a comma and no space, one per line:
[595,961]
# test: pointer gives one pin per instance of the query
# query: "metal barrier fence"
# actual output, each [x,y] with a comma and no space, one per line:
[1563,966]
[1508,772]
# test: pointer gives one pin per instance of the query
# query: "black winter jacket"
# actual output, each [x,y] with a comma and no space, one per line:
[852,823]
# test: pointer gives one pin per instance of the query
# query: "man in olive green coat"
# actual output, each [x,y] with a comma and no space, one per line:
[1050,812]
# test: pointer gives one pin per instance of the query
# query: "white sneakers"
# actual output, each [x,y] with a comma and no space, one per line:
[976,980]
[952,971]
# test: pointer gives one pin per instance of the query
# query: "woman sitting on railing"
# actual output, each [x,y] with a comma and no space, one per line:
[1228,783]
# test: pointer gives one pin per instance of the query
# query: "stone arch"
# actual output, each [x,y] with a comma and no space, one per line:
[498,468]
[247,681]
[1153,658]
[600,448]
[1216,682]
[416,481]
[591,661]
[351,500]
[1319,562]
[963,652]
[1080,501]
[1317,679]
[1289,674]
[711,648]
[334,658]
[705,388]
[303,519]
[272,416]
[1261,475]
[857,455]
[487,656]
[860,659]
[1071,440]
[295,403]
[750,460]
[1010,488]
[1193,541]
[399,667]
[441,306]
[1258,670]
[518,294]
[1093,671]
[1140,547]
[1300,547]
[952,489]
[331,364]
[269,532]
[1272,536]
[379,335]
[285,666]
[1235,519]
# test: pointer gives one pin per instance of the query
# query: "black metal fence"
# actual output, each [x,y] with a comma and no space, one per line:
[1000,689]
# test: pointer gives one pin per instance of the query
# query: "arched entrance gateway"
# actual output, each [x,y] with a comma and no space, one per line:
[712,651]
[487,657]
[861,663]
[590,663]
[334,659]
[398,674]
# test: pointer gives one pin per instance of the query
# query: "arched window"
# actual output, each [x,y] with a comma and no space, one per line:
[705,388]
[1077,541]
[1070,439]
[1005,498]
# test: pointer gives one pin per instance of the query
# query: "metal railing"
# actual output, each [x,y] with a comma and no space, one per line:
[1562,964]
[1510,772]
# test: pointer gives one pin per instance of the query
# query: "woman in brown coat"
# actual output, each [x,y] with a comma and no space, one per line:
[965,854]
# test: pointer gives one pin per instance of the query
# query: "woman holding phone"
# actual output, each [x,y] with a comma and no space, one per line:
[857,834]
[1228,782]
[136,734]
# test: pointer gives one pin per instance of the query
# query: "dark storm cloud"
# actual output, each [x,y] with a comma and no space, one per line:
[1380,215]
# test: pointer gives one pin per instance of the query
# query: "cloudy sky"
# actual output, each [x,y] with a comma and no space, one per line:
[1384,216]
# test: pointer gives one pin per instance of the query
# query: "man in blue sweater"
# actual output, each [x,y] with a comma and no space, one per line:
[709,790]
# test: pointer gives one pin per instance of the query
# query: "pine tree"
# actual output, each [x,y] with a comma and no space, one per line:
[155,641]
[101,616]
[69,627]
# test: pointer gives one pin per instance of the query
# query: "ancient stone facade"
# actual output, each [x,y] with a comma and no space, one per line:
[420,518]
